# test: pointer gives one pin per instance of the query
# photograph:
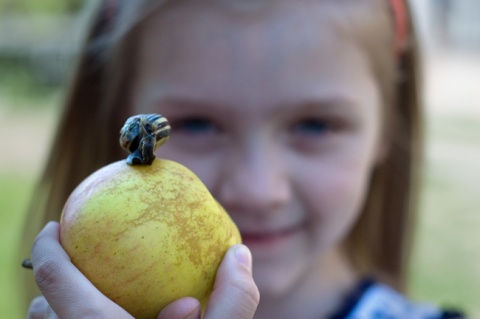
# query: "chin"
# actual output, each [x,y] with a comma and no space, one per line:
[275,281]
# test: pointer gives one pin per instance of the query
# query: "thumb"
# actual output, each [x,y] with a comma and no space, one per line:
[185,308]
[235,294]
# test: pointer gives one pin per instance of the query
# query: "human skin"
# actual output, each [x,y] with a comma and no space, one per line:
[278,113]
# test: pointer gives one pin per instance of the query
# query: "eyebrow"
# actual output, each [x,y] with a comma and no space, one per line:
[330,103]
[190,103]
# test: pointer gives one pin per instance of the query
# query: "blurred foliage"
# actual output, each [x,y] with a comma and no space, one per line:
[20,87]
[18,79]
[40,6]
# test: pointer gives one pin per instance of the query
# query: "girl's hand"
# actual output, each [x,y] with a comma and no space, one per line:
[70,295]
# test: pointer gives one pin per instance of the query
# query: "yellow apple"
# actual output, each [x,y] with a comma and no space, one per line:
[146,235]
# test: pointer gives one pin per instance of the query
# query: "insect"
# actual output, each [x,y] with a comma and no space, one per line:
[142,135]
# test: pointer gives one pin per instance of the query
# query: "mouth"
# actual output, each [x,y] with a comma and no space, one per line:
[269,237]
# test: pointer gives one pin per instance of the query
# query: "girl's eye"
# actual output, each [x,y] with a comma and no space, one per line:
[194,126]
[312,127]
[196,134]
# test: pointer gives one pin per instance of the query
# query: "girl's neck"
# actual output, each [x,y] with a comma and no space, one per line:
[317,295]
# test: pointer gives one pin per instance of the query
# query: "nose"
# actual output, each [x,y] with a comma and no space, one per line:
[255,178]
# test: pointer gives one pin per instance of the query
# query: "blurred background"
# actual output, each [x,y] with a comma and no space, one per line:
[38,40]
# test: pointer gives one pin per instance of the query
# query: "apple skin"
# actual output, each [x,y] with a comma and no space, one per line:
[146,235]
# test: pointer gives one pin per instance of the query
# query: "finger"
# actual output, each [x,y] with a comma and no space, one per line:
[37,308]
[50,314]
[185,308]
[235,294]
[70,294]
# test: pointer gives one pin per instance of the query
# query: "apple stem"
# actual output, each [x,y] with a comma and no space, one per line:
[27,263]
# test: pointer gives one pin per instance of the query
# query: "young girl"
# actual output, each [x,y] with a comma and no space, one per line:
[300,116]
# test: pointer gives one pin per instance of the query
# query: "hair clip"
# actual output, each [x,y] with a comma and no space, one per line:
[400,15]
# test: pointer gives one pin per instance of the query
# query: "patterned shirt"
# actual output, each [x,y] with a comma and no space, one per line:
[374,300]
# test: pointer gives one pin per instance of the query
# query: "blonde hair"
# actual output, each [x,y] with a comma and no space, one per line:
[380,241]
[98,103]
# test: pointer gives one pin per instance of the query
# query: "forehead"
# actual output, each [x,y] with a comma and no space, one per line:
[348,16]
[203,44]
[227,24]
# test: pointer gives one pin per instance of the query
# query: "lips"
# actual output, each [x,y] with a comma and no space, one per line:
[269,237]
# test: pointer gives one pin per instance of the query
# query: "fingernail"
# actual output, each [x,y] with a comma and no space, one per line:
[243,256]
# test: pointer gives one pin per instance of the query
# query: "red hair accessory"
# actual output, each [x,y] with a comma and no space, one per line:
[400,15]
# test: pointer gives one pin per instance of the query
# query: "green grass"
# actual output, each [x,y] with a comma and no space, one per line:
[15,189]
[40,6]
[20,93]
[446,267]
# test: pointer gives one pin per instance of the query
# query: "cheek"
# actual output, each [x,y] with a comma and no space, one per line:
[335,200]
[342,180]
[202,166]
[343,192]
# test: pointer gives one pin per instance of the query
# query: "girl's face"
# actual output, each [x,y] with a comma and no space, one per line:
[277,111]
